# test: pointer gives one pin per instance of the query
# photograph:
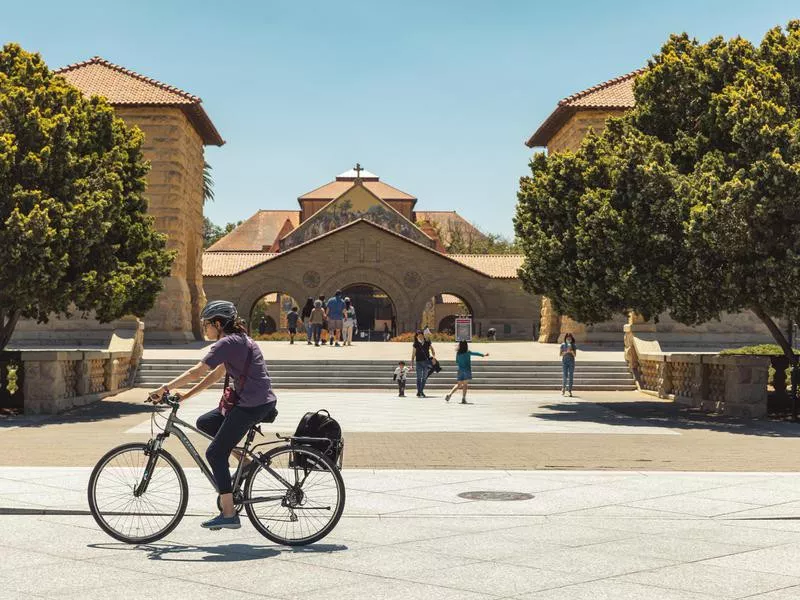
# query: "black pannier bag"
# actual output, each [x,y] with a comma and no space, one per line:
[319,424]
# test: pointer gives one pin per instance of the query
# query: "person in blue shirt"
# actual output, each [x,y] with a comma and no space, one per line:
[335,308]
[464,361]
[568,350]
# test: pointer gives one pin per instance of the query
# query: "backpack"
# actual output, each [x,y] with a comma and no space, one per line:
[319,424]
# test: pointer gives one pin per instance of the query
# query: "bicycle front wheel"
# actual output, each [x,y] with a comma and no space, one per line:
[298,500]
[126,510]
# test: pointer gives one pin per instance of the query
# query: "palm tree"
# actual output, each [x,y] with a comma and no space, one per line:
[208,183]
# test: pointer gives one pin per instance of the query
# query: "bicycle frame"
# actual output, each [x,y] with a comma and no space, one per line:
[173,427]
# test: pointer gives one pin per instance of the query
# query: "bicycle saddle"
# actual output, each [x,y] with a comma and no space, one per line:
[271,415]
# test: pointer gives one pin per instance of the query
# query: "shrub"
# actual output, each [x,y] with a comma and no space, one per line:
[762,350]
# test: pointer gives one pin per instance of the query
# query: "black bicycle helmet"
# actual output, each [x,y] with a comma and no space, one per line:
[219,309]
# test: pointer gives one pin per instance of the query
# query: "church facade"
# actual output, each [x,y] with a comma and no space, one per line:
[356,234]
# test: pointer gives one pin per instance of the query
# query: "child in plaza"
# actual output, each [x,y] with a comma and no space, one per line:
[400,374]
[291,322]
[464,361]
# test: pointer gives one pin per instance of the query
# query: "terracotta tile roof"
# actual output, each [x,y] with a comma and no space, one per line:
[615,93]
[447,222]
[122,87]
[334,189]
[259,232]
[222,264]
[497,266]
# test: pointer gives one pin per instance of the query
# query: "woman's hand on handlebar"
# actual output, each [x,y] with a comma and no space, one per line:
[162,395]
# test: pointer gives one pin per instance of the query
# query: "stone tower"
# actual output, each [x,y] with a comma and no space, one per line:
[176,129]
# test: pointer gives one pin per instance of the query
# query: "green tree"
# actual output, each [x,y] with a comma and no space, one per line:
[208,183]
[688,203]
[213,233]
[74,234]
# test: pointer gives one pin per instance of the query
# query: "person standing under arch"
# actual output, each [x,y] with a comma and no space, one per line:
[305,317]
[464,361]
[348,323]
[335,311]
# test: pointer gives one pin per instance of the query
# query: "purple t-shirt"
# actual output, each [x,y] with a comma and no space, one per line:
[232,350]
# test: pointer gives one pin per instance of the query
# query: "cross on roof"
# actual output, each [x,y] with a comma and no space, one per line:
[358,170]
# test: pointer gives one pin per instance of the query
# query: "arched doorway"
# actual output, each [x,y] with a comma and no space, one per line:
[441,311]
[375,311]
[268,314]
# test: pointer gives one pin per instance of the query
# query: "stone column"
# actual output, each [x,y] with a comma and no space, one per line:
[550,325]
[174,193]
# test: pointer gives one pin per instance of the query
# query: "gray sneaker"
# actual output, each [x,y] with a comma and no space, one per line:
[222,522]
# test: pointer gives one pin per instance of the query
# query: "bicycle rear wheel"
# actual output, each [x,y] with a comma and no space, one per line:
[132,518]
[307,509]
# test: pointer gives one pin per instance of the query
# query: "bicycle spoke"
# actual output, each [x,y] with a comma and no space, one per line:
[117,508]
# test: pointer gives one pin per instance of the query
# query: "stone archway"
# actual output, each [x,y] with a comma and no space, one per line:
[445,286]
[247,299]
[379,279]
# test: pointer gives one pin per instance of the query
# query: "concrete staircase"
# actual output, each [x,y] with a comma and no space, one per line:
[354,374]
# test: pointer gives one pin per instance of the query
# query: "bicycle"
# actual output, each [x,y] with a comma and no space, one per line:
[293,494]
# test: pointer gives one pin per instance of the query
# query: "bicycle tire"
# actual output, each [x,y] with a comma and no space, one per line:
[97,513]
[319,460]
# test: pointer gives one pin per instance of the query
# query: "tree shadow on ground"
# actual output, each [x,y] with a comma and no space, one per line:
[102,410]
[235,552]
[656,413]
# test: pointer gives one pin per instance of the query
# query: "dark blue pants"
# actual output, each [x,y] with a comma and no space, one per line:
[423,368]
[228,431]
[567,374]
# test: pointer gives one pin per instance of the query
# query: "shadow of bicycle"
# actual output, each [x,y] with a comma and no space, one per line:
[177,552]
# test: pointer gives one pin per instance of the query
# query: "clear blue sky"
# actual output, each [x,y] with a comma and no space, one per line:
[437,98]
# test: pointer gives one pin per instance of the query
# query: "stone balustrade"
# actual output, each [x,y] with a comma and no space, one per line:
[733,385]
[57,380]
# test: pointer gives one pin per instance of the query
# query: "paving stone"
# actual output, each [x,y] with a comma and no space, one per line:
[715,581]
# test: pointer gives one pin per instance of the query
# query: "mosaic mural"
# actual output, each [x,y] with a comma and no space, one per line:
[356,203]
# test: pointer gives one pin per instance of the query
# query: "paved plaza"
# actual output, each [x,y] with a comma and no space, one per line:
[407,534]
[631,498]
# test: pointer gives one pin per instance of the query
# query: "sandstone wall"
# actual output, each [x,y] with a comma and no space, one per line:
[409,275]
[175,195]
[575,129]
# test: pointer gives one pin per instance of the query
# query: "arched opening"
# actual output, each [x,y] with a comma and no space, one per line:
[269,314]
[441,311]
[376,315]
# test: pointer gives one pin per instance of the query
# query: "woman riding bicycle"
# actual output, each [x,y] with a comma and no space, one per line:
[234,354]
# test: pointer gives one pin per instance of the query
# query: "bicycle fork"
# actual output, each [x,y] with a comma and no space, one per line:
[152,451]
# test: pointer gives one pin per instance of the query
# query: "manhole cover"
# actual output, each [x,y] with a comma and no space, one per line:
[496,496]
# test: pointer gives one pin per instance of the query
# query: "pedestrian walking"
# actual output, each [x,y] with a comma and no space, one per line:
[400,375]
[324,330]
[262,325]
[421,354]
[387,335]
[349,322]
[426,332]
[291,321]
[568,351]
[317,317]
[335,317]
[464,362]
[305,316]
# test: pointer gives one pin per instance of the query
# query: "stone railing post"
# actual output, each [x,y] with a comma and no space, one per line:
[83,385]
[745,385]
[45,387]
[111,374]
[664,385]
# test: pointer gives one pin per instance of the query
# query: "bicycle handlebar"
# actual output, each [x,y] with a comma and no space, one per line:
[172,400]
